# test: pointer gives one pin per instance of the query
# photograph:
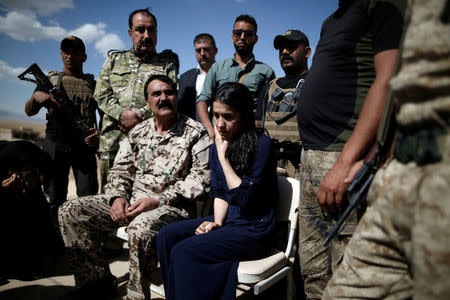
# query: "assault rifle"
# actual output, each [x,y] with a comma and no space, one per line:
[71,113]
[359,187]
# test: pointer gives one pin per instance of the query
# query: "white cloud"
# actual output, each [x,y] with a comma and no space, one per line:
[108,42]
[239,1]
[9,73]
[43,7]
[90,32]
[24,27]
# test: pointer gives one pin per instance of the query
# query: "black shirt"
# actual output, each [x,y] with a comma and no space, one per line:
[343,69]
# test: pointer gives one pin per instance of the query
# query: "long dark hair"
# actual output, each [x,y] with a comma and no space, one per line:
[242,148]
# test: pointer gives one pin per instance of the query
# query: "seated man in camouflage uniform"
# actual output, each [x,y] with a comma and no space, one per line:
[160,168]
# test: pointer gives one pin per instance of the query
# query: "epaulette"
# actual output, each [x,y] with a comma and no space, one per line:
[53,73]
[195,125]
[114,51]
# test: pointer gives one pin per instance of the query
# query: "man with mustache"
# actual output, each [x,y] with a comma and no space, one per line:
[119,90]
[279,99]
[162,165]
[191,81]
[242,68]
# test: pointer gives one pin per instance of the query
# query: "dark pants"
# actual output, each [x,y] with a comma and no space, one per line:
[203,266]
[84,166]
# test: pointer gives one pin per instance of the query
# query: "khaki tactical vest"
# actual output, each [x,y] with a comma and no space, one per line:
[80,91]
[288,131]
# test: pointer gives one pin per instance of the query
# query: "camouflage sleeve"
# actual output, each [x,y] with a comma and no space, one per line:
[198,180]
[104,95]
[171,72]
[121,175]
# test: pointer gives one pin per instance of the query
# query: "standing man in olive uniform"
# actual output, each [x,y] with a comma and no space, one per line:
[65,148]
[278,102]
[120,88]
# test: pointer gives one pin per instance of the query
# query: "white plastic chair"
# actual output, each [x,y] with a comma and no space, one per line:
[263,273]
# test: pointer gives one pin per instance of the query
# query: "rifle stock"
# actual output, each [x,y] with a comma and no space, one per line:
[71,113]
[358,189]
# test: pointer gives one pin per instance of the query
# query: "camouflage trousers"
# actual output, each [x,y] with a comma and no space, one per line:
[106,163]
[317,261]
[401,247]
[85,221]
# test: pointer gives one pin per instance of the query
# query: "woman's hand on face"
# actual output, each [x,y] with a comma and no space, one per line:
[221,144]
[206,227]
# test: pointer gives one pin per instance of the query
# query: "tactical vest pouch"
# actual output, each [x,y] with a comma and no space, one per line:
[419,146]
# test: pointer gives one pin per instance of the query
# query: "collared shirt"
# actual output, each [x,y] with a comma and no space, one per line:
[200,80]
[174,165]
[120,86]
[228,70]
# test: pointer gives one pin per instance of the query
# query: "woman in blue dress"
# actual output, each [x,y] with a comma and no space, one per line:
[199,258]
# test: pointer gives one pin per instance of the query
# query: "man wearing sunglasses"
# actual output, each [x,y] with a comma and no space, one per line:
[162,165]
[242,68]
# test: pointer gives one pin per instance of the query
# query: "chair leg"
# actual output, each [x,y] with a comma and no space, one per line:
[289,285]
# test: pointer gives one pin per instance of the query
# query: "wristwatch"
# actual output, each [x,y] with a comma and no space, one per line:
[162,201]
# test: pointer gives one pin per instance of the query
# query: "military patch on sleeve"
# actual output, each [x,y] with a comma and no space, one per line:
[157,68]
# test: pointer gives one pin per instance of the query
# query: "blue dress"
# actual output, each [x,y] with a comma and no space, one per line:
[205,266]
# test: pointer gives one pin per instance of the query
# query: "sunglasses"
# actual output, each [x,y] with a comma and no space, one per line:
[168,92]
[239,32]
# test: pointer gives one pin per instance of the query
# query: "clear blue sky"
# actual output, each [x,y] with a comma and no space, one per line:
[31,31]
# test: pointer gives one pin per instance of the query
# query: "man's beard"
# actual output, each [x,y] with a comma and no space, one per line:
[145,53]
[244,50]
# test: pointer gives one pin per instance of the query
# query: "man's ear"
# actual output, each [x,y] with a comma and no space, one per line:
[129,32]
[84,57]
[307,51]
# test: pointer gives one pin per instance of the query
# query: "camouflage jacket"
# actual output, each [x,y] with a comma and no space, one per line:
[175,165]
[120,86]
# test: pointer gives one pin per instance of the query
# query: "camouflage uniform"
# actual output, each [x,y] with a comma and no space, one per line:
[401,246]
[334,93]
[175,166]
[316,261]
[120,86]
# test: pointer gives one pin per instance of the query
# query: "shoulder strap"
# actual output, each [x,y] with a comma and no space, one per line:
[58,83]
[241,80]
[90,81]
